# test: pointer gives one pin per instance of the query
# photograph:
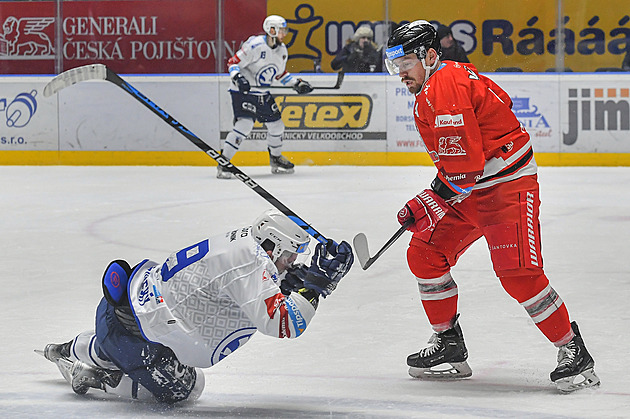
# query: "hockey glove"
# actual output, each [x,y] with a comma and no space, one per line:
[241,82]
[427,208]
[327,269]
[293,279]
[302,87]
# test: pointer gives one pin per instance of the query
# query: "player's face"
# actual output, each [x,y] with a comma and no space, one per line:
[285,260]
[411,72]
[282,32]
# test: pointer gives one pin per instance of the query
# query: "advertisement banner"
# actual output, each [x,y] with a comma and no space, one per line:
[352,118]
[494,33]
[28,120]
[595,114]
[134,36]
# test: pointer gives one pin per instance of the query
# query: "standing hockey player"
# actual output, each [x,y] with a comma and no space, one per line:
[486,185]
[158,324]
[259,63]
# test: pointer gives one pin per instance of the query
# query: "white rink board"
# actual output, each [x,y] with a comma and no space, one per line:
[566,113]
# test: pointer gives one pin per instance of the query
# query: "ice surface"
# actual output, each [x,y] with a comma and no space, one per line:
[61,226]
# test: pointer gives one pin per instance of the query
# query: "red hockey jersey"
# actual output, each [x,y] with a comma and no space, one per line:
[469,130]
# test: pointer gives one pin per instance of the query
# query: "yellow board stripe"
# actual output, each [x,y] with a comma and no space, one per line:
[257,158]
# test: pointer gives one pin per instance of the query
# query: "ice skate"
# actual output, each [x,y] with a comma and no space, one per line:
[85,377]
[575,368]
[444,359]
[59,354]
[223,174]
[280,165]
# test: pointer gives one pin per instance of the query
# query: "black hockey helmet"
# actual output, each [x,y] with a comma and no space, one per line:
[411,38]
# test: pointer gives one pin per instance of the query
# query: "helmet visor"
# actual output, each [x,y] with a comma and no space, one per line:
[397,61]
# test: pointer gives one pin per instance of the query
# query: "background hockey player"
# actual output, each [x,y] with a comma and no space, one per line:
[486,185]
[259,63]
[158,324]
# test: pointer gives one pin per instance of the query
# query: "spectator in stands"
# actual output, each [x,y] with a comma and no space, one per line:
[360,54]
[451,49]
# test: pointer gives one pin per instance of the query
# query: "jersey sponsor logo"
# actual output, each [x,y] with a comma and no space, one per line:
[273,303]
[266,276]
[298,321]
[157,295]
[231,343]
[449,120]
[450,146]
[455,178]
[266,75]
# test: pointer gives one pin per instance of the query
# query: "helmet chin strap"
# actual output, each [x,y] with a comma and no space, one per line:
[427,69]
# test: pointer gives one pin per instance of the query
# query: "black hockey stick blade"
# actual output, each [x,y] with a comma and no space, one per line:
[363,252]
[336,86]
[101,72]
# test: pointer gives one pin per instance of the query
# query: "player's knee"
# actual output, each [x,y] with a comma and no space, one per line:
[275,128]
[243,126]
[425,262]
[524,287]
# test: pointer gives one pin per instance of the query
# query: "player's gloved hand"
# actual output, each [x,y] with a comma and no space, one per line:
[427,208]
[302,87]
[328,267]
[241,82]
[293,279]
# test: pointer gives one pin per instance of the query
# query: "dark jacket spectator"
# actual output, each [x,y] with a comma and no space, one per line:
[360,54]
[451,48]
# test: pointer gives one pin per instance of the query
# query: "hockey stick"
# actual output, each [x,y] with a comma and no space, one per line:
[101,72]
[336,86]
[361,245]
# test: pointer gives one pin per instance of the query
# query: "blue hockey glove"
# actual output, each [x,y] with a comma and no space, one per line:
[327,268]
[241,82]
[293,280]
[302,87]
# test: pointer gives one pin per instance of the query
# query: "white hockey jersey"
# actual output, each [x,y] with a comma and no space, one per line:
[260,64]
[207,300]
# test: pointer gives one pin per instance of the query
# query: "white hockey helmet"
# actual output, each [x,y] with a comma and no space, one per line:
[278,23]
[275,231]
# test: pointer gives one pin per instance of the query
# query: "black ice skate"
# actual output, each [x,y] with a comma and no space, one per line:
[445,359]
[280,165]
[85,377]
[575,368]
[223,174]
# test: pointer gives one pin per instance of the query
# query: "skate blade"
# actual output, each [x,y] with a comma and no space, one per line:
[279,171]
[585,379]
[444,371]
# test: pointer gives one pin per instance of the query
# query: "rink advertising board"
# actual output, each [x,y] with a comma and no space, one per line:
[26,121]
[494,33]
[131,36]
[572,119]
[348,119]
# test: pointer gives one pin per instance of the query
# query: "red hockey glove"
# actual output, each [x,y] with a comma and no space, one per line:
[427,208]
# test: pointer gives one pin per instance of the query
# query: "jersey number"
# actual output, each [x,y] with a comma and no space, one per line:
[184,258]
